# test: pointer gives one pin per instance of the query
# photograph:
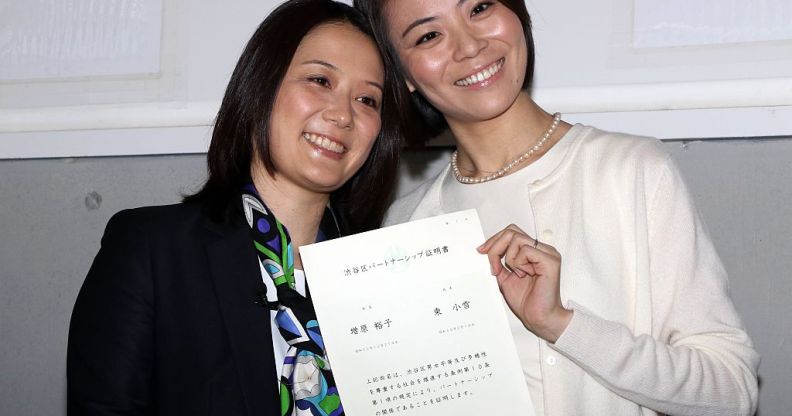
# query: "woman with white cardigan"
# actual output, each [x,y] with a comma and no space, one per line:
[620,304]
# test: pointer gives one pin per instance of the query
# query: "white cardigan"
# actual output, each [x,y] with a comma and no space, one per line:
[654,330]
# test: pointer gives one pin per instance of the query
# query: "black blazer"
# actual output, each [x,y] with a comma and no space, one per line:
[166,321]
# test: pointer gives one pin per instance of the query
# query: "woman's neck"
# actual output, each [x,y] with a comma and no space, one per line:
[296,208]
[486,146]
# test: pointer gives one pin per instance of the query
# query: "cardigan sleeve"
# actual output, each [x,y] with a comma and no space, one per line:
[699,359]
[110,346]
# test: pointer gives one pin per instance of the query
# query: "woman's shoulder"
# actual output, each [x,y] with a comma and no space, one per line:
[614,149]
[402,209]
[148,222]
[157,214]
[622,143]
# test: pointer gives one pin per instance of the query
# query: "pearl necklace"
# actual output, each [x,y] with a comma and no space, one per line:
[502,171]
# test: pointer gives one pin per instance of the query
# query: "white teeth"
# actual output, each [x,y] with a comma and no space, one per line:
[482,75]
[324,142]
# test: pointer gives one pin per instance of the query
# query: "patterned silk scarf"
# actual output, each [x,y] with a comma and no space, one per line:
[307,386]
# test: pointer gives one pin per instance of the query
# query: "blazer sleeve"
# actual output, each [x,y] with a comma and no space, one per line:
[111,343]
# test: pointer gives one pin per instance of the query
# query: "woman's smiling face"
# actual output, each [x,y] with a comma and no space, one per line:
[326,115]
[468,58]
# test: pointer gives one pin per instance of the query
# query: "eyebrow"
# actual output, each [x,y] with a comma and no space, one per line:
[335,68]
[425,20]
[418,22]
[376,84]
[321,62]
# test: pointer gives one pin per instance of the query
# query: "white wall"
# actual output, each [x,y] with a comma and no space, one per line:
[587,68]
[585,53]
[200,43]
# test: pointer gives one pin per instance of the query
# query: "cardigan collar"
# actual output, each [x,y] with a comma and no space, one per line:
[431,204]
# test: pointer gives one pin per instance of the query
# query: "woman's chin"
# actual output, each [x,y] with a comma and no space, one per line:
[480,113]
[323,183]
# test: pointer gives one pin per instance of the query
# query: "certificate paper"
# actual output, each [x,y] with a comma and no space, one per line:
[414,323]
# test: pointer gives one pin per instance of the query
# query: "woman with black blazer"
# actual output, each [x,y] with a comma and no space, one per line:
[200,308]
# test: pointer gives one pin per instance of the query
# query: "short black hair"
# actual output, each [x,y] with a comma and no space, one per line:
[434,122]
[242,123]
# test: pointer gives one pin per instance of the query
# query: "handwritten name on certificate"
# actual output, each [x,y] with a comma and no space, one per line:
[413,322]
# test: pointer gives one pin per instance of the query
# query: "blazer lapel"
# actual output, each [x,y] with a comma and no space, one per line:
[237,281]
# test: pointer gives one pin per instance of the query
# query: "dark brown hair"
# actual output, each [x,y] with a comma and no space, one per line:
[246,109]
[433,120]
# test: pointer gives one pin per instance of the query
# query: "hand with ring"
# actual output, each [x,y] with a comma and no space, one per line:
[529,275]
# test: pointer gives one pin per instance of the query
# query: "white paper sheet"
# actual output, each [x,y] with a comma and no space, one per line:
[414,323]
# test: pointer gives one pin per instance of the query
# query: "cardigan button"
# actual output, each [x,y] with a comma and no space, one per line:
[547,236]
[551,360]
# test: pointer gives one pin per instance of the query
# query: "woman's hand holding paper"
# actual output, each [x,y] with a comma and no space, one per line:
[529,275]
